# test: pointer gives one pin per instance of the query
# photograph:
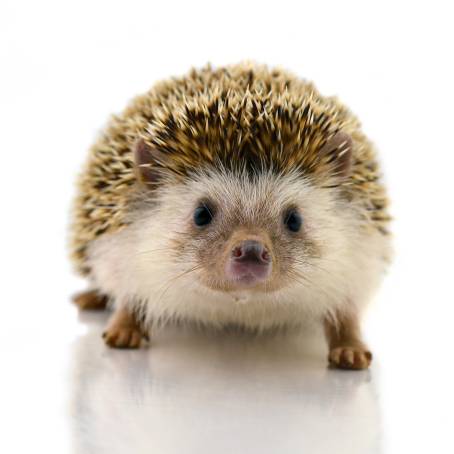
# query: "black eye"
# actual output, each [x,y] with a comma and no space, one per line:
[202,216]
[293,221]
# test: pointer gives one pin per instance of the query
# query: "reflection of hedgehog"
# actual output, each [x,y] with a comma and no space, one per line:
[233,196]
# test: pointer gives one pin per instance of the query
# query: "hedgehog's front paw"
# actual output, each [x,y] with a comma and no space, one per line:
[350,357]
[123,337]
[123,330]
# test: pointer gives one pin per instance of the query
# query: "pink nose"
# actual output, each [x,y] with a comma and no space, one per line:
[250,263]
[251,251]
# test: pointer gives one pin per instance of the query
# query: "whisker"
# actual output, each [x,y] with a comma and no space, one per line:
[172,280]
[151,251]
[311,264]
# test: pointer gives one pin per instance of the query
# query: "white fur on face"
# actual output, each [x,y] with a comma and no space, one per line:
[141,267]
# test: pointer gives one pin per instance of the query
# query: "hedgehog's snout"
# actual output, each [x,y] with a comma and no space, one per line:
[249,263]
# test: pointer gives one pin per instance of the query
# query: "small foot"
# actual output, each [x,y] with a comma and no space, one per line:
[123,331]
[350,357]
[90,300]
[122,337]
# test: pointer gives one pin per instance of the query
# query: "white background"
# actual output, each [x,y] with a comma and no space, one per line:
[64,67]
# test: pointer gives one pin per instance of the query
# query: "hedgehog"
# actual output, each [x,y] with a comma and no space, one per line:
[233,196]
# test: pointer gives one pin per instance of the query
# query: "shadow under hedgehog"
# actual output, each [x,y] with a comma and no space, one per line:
[236,195]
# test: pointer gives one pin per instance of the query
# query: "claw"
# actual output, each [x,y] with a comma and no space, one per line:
[353,358]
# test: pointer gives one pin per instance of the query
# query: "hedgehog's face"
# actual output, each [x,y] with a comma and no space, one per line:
[237,232]
[247,232]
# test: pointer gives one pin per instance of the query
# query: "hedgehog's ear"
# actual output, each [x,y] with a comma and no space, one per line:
[337,154]
[148,162]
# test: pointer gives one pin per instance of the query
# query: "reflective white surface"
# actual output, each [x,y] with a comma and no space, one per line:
[199,392]
[217,393]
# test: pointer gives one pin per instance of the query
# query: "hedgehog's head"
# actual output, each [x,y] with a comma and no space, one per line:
[252,226]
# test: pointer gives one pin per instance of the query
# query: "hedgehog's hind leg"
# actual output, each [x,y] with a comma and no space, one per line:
[124,330]
[91,300]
